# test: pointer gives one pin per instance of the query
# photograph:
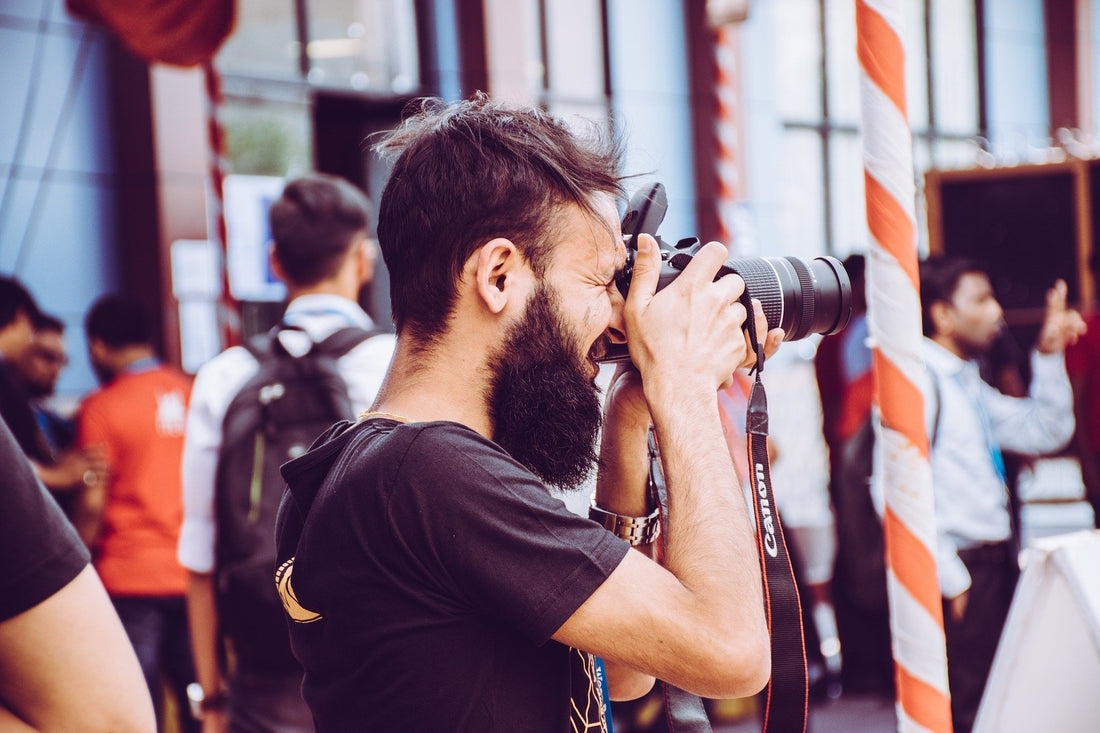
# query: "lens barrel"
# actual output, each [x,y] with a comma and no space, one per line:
[800,296]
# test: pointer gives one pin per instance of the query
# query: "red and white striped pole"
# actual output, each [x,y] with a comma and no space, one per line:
[894,320]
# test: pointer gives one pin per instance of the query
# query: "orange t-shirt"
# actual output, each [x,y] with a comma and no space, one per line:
[139,418]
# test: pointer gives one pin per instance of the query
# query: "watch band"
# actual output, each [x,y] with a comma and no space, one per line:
[634,530]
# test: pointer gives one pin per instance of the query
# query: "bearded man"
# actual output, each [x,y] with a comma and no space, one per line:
[431,579]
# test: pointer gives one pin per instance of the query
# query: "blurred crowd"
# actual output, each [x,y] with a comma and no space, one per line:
[113,464]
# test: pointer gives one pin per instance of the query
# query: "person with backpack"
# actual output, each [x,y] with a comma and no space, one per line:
[255,407]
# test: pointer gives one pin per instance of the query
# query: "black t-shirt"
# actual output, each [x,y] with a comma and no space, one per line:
[430,573]
[40,551]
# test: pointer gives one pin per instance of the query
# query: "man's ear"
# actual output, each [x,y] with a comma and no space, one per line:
[98,350]
[497,265]
[276,266]
[364,259]
[940,313]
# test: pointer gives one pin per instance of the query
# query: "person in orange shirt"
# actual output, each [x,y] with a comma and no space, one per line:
[131,521]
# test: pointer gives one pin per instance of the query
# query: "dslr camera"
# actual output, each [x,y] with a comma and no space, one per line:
[798,295]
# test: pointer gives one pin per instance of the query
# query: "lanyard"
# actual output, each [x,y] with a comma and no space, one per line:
[991,445]
[787,698]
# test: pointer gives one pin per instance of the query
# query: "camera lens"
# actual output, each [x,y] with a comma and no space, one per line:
[800,296]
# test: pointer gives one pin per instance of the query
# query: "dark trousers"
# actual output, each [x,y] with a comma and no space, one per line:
[1092,491]
[157,627]
[267,702]
[972,641]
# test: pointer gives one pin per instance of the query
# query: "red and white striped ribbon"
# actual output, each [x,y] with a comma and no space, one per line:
[728,129]
[894,319]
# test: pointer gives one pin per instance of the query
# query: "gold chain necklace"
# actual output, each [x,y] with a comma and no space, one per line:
[368,414]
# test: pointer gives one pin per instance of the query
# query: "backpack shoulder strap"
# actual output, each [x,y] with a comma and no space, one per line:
[260,345]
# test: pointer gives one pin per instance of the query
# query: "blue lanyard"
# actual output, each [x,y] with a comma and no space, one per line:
[604,692]
[987,428]
[141,365]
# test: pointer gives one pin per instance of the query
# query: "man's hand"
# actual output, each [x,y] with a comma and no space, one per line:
[1062,326]
[75,470]
[691,331]
[214,721]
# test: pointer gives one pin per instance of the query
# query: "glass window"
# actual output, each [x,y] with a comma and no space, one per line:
[267,138]
[803,210]
[797,44]
[956,154]
[264,42]
[842,63]
[954,66]
[849,209]
[575,50]
[946,28]
[365,45]
[916,63]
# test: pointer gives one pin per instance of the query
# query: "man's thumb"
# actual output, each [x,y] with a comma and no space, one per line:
[647,268]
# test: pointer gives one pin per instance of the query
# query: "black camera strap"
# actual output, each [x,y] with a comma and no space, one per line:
[787,695]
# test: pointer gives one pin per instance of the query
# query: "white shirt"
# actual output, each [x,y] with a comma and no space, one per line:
[971,500]
[220,379]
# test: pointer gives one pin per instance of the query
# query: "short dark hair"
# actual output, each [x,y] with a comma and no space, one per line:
[469,172]
[48,322]
[939,279]
[313,225]
[118,321]
[855,265]
[15,299]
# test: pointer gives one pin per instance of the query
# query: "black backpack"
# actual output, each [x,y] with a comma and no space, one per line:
[274,418]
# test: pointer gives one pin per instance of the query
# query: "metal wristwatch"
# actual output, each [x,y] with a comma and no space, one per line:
[635,530]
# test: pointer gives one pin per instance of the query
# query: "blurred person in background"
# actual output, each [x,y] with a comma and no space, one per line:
[65,661]
[1083,364]
[131,520]
[800,474]
[18,312]
[39,372]
[969,423]
[68,470]
[845,384]
[322,252]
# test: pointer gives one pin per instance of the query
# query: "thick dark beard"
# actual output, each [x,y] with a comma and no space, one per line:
[544,407]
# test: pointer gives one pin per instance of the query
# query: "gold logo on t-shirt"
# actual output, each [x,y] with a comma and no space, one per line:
[297,612]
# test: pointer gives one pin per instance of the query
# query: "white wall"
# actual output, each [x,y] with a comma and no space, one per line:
[57,176]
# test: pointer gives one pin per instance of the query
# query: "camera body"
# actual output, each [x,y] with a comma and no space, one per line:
[800,296]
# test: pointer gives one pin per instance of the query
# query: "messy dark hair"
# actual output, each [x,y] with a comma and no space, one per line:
[467,173]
